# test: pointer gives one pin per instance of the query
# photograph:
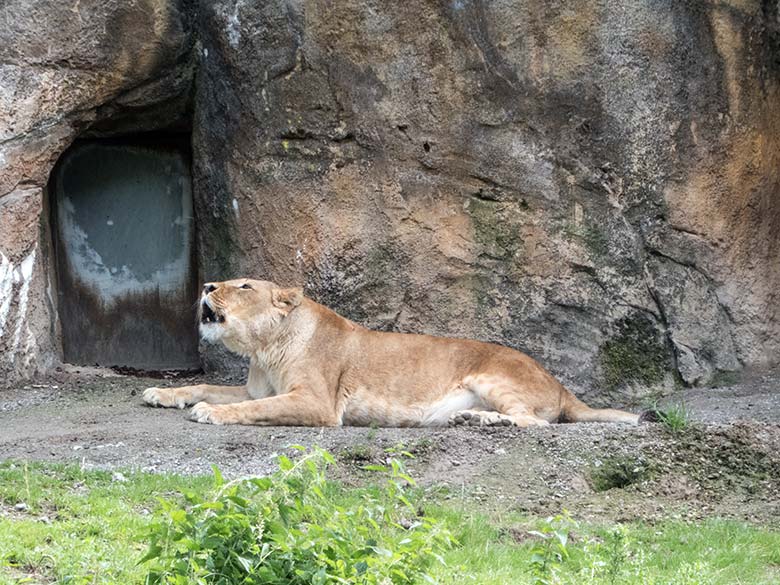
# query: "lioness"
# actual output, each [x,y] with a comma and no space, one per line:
[312,367]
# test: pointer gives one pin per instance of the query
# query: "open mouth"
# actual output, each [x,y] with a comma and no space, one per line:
[207,315]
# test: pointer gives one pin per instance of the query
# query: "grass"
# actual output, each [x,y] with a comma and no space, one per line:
[712,552]
[81,527]
[675,417]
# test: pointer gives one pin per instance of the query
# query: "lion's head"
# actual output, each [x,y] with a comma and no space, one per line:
[244,313]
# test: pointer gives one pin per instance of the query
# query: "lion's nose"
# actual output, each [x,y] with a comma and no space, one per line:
[208,288]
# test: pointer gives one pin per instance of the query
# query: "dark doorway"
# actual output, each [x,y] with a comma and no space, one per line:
[123,233]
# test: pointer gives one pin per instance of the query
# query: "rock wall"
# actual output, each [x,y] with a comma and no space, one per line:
[593,182]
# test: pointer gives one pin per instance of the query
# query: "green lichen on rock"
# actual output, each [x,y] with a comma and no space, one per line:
[592,236]
[596,241]
[497,234]
[635,355]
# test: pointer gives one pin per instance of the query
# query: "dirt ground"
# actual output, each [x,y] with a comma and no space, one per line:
[726,463]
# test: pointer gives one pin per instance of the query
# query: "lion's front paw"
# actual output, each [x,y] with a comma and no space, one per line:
[214,414]
[166,397]
[159,397]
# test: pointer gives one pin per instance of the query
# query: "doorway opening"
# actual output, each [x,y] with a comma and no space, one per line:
[124,243]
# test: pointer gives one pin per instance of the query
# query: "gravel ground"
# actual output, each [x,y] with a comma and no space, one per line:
[727,463]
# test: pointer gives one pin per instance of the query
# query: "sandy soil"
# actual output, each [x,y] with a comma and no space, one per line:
[727,463]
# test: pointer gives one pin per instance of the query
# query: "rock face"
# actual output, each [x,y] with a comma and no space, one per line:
[595,184]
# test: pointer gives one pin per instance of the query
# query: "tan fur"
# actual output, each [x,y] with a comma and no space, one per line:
[312,367]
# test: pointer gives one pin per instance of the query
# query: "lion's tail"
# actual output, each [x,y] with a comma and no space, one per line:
[575,410]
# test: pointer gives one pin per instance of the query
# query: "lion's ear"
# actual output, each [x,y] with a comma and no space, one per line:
[287,298]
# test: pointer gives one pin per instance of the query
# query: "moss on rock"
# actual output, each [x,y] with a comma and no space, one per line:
[499,236]
[592,236]
[635,355]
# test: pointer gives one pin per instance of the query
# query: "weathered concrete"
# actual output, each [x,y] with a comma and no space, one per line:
[593,182]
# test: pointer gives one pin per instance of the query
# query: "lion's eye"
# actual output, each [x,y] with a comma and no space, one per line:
[246,286]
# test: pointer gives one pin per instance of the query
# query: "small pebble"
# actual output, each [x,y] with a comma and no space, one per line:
[21,507]
[116,476]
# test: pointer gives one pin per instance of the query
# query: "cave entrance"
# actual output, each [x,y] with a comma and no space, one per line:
[123,234]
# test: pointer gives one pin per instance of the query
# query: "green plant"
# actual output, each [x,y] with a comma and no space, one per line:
[417,447]
[356,454]
[27,482]
[421,446]
[287,529]
[675,418]
[616,555]
[548,555]
[617,472]
[613,558]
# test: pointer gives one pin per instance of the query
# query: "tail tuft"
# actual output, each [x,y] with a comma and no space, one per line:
[651,415]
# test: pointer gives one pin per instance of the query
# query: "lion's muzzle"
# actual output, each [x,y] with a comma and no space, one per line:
[207,314]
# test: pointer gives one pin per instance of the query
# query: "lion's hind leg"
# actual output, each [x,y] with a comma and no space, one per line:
[491,418]
[502,406]
[481,418]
